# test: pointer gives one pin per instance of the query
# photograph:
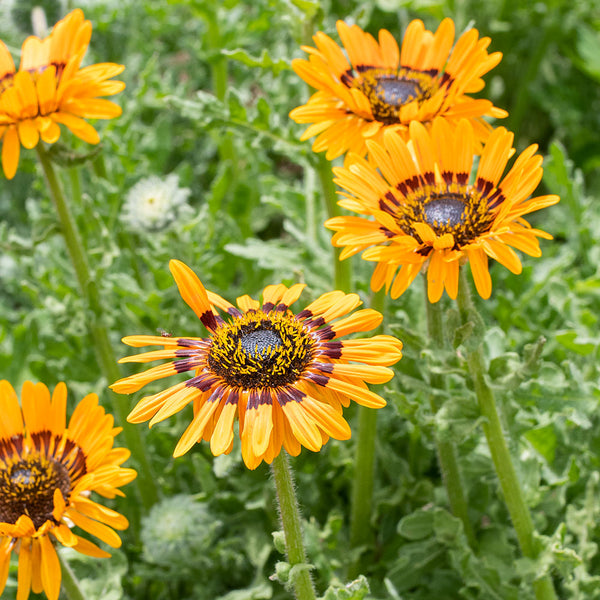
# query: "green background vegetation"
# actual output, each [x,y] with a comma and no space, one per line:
[208,93]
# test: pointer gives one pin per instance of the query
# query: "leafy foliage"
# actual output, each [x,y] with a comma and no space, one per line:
[208,93]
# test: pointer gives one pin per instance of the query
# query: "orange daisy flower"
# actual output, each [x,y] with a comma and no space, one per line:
[285,376]
[381,87]
[47,472]
[422,212]
[50,88]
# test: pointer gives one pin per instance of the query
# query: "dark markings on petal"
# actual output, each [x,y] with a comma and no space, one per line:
[314,323]
[303,314]
[496,199]
[9,448]
[281,307]
[385,207]
[462,178]
[17,441]
[187,352]
[402,188]
[327,333]
[258,398]
[387,232]
[363,68]
[181,366]
[332,349]
[267,306]
[484,186]
[347,77]
[392,198]
[424,251]
[233,397]
[217,394]
[73,458]
[69,445]
[77,466]
[41,439]
[447,177]
[446,78]
[318,378]
[289,394]
[412,182]
[234,312]
[429,177]
[202,382]
[209,320]
[184,342]
[323,367]
[252,400]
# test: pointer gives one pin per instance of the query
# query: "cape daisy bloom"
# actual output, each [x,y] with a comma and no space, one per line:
[380,86]
[420,211]
[50,88]
[286,377]
[47,472]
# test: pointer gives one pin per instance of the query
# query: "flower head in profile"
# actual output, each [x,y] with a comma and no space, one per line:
[153,203]
[377,86]
[419,209]
[47,471]
[50,89]
[285,376]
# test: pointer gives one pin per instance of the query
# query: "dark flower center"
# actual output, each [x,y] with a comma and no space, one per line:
[444,211]
[463,213]
[27,488]
[397,92]
[388,91]
[261,350]
[258,344]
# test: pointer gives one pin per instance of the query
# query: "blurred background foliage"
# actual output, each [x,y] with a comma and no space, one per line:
[208,93]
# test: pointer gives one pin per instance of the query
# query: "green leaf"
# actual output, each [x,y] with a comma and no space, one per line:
[355,590]
[588,48]
[543,439]
[63,156]
[417,526]
[579,344]
[264,61]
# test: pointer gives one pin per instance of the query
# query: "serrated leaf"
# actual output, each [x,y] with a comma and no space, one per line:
[355,590]
[65,157]
[264,61]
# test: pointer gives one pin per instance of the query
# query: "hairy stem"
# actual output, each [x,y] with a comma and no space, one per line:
[95,320]
[446,451]
[492,428]
[292,528]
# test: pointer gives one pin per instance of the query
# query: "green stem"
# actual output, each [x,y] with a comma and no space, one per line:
[292,528]
[446,451]
[69,580]
[364,467]
[342,268]
[492,428]
[94,318]
[219,76]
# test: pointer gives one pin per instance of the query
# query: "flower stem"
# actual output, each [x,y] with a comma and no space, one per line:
[292,529]
[69,580]
[446,450]
[492,428]
[364,466]
[95,319]
[342,268]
